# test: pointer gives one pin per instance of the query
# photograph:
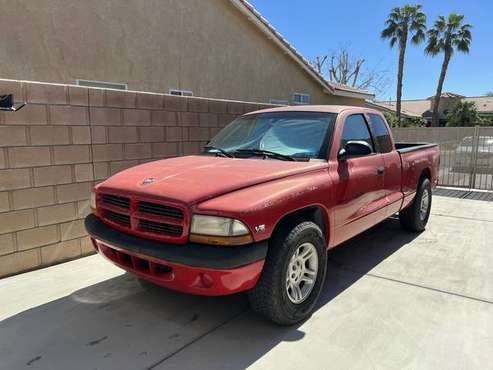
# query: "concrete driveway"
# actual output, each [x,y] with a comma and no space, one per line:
[392,300]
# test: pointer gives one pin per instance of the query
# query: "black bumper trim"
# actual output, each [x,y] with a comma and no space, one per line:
[191,254]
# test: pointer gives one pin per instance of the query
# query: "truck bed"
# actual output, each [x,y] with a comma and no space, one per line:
[411,147]
[415,157]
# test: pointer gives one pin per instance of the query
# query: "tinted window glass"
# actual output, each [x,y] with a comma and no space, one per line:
[356,129]
[380,134]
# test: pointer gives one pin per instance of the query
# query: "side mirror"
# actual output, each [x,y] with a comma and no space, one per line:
[354,149]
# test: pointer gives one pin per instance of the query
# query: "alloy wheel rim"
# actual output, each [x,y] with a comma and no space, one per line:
[425,203]
[301,274]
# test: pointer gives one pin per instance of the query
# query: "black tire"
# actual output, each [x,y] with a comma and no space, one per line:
[411,218]
[269,297]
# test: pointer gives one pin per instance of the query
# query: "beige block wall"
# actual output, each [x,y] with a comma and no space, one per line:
[66,139]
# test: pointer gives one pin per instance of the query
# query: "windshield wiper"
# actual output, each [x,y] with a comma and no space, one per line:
[219,151]
[266,153]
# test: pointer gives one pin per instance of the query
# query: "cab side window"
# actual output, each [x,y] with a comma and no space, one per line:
[356,129]
[380,133]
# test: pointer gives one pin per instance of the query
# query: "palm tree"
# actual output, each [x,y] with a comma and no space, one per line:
[447,35]
[401,22]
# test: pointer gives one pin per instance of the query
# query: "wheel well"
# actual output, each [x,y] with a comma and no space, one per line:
[425,174]
[313,213]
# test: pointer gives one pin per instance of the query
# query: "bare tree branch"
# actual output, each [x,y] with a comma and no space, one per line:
[346,69]
[319,62]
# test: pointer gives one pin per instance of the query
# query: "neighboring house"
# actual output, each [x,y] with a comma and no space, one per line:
[389,107]
[213,48]
[424,107]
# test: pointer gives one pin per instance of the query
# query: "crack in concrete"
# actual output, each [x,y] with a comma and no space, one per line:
[461,217]
[97,341]
[31,361]
[482,300]
[178,350]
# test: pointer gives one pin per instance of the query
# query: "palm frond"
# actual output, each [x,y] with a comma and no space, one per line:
[401,20]
[455,19]
[418,37]
[449,34]
[389,32]
[432,48]
[391,23]
[440,24]
[395,14]
[465,32]
[393,41]
[463,46]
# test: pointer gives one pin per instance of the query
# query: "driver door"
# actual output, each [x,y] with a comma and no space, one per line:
[360,190]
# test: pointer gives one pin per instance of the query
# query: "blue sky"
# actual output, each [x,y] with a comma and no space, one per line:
[316,27]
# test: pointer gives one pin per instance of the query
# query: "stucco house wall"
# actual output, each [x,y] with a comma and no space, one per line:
[207,47]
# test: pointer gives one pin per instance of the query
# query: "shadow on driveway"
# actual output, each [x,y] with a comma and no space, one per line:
[117,324]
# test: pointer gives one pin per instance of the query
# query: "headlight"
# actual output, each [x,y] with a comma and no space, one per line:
[93,201]
[218,226]
[219,230]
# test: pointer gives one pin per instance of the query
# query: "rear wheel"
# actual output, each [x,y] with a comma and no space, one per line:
[415,217]
[293,274]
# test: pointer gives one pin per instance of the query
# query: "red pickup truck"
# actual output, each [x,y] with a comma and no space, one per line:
[257,210]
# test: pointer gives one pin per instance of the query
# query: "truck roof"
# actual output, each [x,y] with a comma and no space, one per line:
[315,108]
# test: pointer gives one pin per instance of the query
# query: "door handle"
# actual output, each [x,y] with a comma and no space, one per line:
[380,170]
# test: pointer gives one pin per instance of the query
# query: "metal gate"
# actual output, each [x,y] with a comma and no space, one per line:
[466,153]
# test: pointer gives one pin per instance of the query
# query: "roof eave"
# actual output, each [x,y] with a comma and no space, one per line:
[254,16]
[353,94]
[391,110]
[251,13]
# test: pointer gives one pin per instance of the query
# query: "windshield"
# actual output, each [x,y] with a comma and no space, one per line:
[300,135]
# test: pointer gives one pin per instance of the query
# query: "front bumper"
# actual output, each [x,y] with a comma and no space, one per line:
[192,268]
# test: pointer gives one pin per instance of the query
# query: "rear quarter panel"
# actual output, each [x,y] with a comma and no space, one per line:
[413,165]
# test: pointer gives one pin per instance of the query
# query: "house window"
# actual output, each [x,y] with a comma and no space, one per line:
[180,92]
[102,84]
[279,101]
[301,98]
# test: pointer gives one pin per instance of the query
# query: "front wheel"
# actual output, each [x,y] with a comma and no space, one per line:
[293,275]
[415,217]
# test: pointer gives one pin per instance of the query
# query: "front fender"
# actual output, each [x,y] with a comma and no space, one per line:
[262,206]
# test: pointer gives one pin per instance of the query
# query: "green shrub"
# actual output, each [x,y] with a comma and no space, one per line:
[464,114]
[405,121]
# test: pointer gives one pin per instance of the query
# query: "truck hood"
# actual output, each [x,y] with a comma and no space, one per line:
[193,179]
